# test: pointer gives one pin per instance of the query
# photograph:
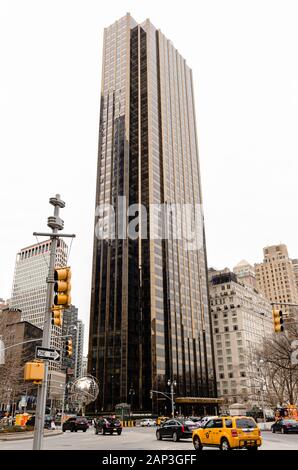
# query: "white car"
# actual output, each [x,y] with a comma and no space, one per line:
[148,422]
[204,420]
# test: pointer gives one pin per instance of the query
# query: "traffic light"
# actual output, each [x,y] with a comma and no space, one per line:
[57,315]
[68,347]
[277,321]
[62,286]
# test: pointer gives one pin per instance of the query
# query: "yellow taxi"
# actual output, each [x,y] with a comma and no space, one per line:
[228,432]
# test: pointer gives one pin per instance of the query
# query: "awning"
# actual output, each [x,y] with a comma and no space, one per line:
[199,400]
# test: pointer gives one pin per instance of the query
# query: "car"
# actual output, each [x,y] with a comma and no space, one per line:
[227,433]
[195,419]
[108,426]
[285,426]
[147,422]
[74,424]
[201,423]
[47,421]
[176,429]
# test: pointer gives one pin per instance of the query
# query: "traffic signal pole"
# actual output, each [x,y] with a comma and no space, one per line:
[55,223]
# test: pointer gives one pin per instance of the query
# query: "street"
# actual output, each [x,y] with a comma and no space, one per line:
[135,439]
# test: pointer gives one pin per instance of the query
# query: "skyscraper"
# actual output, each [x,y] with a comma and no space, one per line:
[276,277]
[149,318]
[30,287]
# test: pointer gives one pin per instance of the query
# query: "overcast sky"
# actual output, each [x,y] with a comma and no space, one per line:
[244,60]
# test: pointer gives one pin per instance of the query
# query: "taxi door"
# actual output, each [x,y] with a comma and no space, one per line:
[206,433]
[217,431]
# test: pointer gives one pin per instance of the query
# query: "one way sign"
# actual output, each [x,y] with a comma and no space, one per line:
[48,354]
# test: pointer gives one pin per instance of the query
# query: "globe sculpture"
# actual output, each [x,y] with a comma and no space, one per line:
[84,391]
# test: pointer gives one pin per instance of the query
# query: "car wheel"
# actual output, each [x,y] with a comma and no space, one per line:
[197,443]
[72,430]
[252,448]
[273,430]
[111,433]
[75,430]
[84,430]
[158,436]
[224,444]
[96,431]
[175,437]
[103,431]
[119,432]
[283,431]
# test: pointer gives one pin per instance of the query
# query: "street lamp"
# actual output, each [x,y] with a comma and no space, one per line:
[131,393]
[172,384]
[67,385]
[261,379]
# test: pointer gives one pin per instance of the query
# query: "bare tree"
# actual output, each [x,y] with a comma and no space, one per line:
[278,374]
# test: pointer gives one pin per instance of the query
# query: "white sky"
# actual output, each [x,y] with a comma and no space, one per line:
[244,60]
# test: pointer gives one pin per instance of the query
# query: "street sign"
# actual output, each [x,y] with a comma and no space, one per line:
[47,353]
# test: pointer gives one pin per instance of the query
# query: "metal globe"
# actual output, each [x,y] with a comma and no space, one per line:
[84,390]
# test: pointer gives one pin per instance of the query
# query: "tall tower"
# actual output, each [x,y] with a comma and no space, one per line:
[29,289]
[276,277]
[149,318]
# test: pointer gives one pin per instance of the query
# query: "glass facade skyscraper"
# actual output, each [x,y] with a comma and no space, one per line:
[149,303]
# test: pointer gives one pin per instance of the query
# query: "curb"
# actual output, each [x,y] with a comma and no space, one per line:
[20,438]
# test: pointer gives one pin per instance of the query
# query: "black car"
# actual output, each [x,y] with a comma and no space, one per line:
[47,421]
[285,426]
[75,424]
[108,426]
[176,429]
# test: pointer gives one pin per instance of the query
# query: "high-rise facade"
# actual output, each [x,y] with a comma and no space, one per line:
[242,320]
[276,277]
[79,349]
[149,318]
[30,287]
[245,273]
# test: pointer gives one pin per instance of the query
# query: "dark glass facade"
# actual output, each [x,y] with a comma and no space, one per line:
[149,303]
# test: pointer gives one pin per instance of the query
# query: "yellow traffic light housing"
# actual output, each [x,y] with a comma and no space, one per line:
[68,347]
[34,372]
[277,321]
[62,286]
[57,317]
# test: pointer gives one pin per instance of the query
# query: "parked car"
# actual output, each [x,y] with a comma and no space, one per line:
[47,421]
[148,422]
[285,426]
[203,421]
[108,426]
[228,432]
[176,429]
[74,424]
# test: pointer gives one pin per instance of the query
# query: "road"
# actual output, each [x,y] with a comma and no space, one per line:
[135,439]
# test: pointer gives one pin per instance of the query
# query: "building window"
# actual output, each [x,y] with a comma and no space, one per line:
[215,330]
[230,375]
[227,328]
[221,376]
[235,327]
[242,374]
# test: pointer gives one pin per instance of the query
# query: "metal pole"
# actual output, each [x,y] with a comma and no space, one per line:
[62,411]
[262,396]
[46,339]
[172,395]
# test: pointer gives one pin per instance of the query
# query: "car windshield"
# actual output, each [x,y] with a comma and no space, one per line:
[291,421]
[245,423]
[188,423]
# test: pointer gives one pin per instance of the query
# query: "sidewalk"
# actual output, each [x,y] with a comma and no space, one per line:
[17,436]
